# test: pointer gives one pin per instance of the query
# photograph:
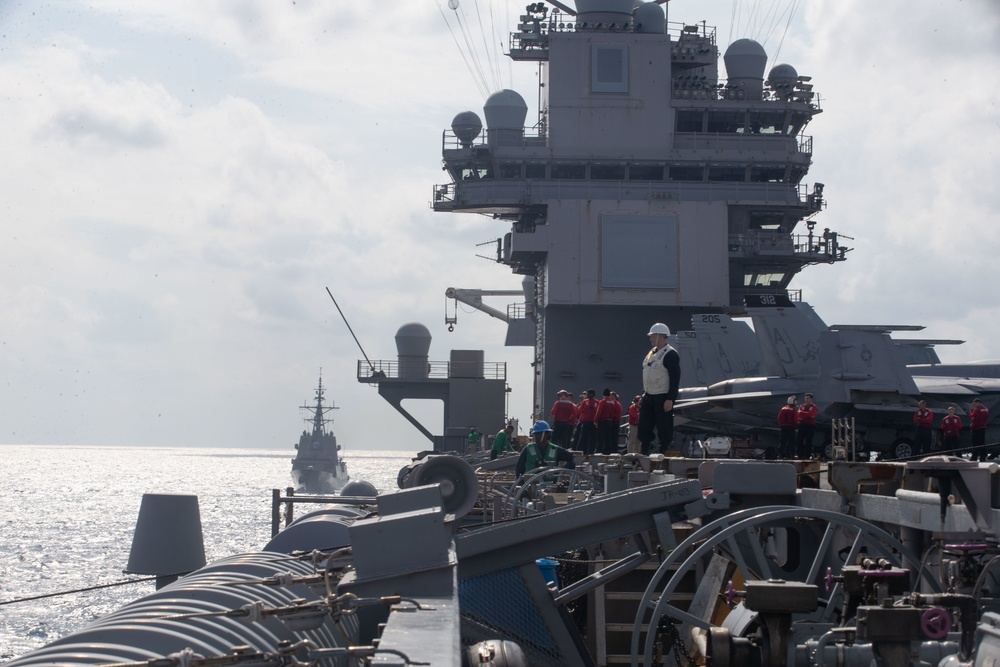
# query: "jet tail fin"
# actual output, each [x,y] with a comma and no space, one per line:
[854,361]
[788,335]
[727,347]
[692,368]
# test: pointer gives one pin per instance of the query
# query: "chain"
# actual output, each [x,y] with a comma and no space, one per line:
[672,637]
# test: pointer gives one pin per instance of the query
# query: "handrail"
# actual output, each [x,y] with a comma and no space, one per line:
[383,369]
[290,499]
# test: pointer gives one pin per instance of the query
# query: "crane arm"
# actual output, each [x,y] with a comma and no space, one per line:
[474,298]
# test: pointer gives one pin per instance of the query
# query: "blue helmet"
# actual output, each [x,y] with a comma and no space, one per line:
[541,427]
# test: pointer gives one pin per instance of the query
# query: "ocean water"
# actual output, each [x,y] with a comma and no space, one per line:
[68,515]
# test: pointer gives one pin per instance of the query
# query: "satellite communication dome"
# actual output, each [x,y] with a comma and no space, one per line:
[603,10]
[782,75]
[745,59]
[650,18]
[413,339]
[359,488]
[466,126]
[505,110]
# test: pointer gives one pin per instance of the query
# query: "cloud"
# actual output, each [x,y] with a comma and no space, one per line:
[184,179]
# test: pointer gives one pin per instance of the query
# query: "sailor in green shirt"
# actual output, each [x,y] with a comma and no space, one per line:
[501,443]
[541,452]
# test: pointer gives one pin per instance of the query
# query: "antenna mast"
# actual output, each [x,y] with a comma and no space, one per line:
[370,365]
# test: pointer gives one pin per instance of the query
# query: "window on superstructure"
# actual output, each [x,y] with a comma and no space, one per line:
[727,173]
[569,171]
[765,173]
[797,121]
[607,172]
[771,220]
[766,122]
[726,122]
[690,120]
[645,172]
[763,279]
[687,173]
[534,170]
[476,173]
[509,170]
[608,69]
[796,173]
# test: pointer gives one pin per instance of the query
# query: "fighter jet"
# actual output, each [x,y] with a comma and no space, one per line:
[717,348]
[854,372]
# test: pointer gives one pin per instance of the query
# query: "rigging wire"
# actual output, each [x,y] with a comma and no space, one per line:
[470,45]
[751,20]
[468,65]
[791,13]
[483,51]
[492,65]
[125,582]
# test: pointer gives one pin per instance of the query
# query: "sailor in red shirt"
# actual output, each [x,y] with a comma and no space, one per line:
[805,420]
[586,412]
[978,416]
[607,425]
[634,446]
[786,424]
[923,420]
[617,417]
[951,426]
[563,415]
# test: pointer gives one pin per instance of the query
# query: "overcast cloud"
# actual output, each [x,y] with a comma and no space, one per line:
[180,181]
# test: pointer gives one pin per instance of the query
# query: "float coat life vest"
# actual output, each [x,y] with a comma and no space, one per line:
[655,377]
[533,459]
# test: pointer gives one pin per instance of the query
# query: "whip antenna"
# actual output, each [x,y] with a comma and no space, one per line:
[370,365]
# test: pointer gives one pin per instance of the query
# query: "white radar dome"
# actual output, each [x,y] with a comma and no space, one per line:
[603,9]
[782,76]
[505,110]
[466,126]
[745,59]
[650,18]
[413,339]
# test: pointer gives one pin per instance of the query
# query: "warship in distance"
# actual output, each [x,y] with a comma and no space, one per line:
[650,189]
[317,467]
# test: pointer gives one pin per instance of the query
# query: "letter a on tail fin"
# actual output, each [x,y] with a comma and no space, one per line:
[788,335]
[728,347]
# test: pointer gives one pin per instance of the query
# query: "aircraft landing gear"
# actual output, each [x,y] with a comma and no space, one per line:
[902,448]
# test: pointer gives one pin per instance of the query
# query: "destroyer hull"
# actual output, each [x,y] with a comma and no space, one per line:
[313,479]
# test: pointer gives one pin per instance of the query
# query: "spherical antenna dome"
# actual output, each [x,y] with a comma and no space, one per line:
[413,339]
[782,75]
[650,18]
[604,7]
[359,488]
[466,126]
[745,59]
[505,110]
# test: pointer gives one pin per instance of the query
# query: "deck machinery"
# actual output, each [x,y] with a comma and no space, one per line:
[650,188]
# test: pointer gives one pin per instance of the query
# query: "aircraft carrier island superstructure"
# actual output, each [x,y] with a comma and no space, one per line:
[652,187]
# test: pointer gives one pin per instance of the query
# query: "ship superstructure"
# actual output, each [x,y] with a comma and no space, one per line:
[651,188]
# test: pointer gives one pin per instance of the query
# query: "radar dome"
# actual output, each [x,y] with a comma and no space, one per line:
[782,76]
[745,59]
[650,18]
[505,110]
[413,339]
[466,127]
[359,488]
[603,10]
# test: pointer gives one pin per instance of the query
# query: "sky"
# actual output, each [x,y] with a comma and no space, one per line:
[182,181]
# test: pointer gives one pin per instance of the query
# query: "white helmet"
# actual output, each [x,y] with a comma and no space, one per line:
[659,328]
